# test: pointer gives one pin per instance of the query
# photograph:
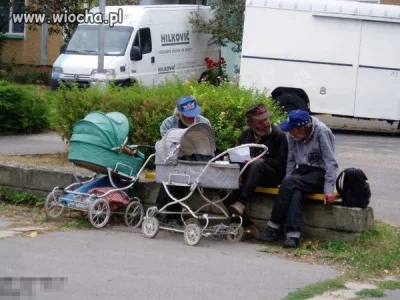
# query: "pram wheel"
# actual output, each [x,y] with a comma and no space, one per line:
[134,214]
[235,232]
[192,234]
[52,205]
[150,227]
[192,221]
[99,213]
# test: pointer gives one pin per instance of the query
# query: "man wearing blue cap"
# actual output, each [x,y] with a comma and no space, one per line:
[186,113]
[311,168]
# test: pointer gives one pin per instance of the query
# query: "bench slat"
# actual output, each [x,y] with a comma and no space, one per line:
[274,191]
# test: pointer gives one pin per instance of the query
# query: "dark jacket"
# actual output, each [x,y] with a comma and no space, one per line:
[277,145]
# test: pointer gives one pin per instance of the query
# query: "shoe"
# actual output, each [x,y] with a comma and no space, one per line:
[237,208]
[269,235]
[291,243]
[249,232]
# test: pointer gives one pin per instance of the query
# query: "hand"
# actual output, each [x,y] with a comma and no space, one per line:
[260,159]
[329,198]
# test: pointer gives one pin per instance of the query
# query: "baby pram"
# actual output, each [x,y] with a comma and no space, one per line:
[98,143]
[175,167]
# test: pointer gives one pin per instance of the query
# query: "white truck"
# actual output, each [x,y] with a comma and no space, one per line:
[335,57]
[150,44]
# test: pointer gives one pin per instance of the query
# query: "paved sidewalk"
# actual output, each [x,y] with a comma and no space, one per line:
[41,143]
[105,264]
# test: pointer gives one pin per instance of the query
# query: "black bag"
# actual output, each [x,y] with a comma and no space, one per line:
[353,188]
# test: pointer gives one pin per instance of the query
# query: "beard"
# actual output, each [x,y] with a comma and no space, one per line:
[264,132]
[188,124]
[299,137]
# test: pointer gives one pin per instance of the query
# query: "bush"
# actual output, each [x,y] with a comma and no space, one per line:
[22,109]
[147,107]
[24,73]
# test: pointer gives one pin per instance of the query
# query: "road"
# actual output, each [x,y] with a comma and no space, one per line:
[378,156]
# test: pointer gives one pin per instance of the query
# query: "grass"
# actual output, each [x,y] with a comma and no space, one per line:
[317,289]
[389,285]
[11,197]
[78,223]
[371,293]
[375,254]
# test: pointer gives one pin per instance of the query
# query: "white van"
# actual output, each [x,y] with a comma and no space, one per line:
[153,42]
[335,57]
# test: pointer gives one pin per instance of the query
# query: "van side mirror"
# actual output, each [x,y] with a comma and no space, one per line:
[136,53]
[63,48]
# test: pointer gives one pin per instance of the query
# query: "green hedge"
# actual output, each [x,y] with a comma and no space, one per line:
[23,109]
[147,107]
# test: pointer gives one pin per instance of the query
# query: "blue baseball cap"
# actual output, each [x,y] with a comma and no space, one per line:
[296,118]
[187,106]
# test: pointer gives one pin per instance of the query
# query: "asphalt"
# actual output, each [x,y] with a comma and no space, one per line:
[105,264]
[42,143]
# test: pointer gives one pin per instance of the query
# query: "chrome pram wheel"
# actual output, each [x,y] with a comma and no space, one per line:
[192,234]
[192,221]
[150,227]
[52,205]
[235,232]
[99,213]
[134,214]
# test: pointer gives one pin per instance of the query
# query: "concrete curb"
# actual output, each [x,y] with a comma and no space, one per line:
[321,222]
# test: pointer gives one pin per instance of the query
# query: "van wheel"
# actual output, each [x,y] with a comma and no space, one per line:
[290,102]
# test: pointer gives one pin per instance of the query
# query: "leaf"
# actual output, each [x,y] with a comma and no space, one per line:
[33,234]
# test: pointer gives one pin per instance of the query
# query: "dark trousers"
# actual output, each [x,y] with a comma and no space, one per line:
[257,173]
[162,198]
[288,206]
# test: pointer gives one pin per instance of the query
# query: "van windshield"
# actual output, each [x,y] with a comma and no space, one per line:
[85,40]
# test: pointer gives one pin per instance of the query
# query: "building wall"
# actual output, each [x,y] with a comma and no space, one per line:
[27,50]
[392,2]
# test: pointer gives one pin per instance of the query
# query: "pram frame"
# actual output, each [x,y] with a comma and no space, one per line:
[53,200]
[193,232]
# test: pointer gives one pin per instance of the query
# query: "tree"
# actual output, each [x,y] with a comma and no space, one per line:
[50,7]
[226,25]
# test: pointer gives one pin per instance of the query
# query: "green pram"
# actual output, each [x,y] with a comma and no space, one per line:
[98,143]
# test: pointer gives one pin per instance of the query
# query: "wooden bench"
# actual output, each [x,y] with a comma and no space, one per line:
[151,175]
[274,191]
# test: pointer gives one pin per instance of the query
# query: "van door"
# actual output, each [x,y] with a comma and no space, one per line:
[378,80]
[144,70]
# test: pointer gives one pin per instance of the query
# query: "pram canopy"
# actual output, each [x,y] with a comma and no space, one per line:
[198,139]
[96,141]
[177,159]
[104,130]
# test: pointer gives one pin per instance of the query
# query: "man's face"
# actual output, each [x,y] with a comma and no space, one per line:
[261,126]
[298,134]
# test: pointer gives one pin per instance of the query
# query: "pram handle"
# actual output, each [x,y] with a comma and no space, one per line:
[265,148]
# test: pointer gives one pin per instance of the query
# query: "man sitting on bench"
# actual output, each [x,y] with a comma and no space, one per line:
[311,168]
[267,171]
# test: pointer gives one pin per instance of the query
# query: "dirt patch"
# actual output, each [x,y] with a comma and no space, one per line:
[58,161]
